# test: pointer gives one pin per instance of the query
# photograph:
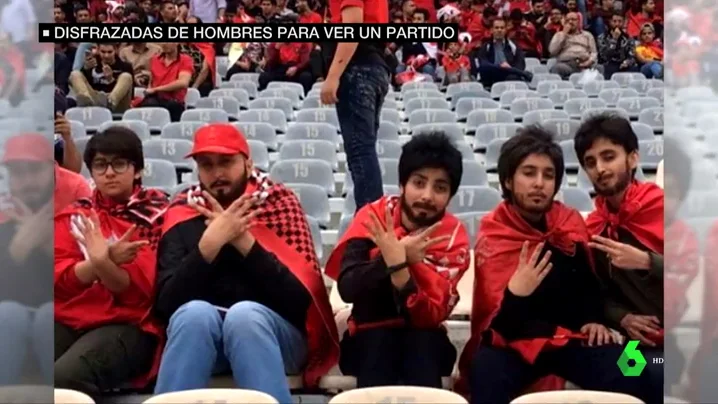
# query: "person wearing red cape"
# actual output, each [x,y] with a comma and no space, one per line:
[627,235]
[239,283]
[536,308]
[399,263]
[105,253]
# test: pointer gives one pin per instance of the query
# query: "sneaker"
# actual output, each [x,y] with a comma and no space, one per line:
[101,100]
[84,100]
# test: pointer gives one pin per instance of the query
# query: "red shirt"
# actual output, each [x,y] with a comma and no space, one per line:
[163,74]
[310,18]
[69,187]
[375,11]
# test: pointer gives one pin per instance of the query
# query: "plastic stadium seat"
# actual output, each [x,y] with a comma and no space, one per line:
[91,117]
[540,78]
[222,65]
[642,131]
[81,144]
[314,201]
[467,152]
[497,89]
[181,130]
[456,88]
[576,396]
[425,103]
[390,104]
[398,394]
[569,155]
[213,395]
[250,77]
[474,174]
[172,150]
[389,171]
[316,172]
[66,396]
[287,93]
[544,88]
[540,116]
[140,128]
[642,86]
[695,93]
[576,198]
[260,131]
[612,95]
[493,150]
[624,78]
[155,117]
[391,115]
[707,124]
[228,104]
[482,116]
[350,204]
[577,106]
[465,105]
[522,106]
[249,86]
[77,129]
[421,85]
[274,117]
[209,115]
[324,115]
[537,69]
[239,94]
[634,105]
[453,130]
[296,87]
[510,96]
[613,111]
[412,94]
[388,131]
[657,93]
[651,153]
[562,129]
[313,131]
[388,149]
[474,199]
[593,88]
[532,62]
[559,97]
[456,97]
[159,174]
[488,132]
[316,232]
[424,116]
[310,150]
[192,97]
[313,101]
[575,79]
[273,103]
[259,154]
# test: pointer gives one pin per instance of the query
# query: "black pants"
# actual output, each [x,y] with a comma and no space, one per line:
[237,69]
[279,73]
[175,108]
[393,356]
[95,361]
[498,375]
[610,68]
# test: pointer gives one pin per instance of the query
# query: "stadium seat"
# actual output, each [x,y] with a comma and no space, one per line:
[260,131]
[479,117]
[388,131]
[540,116]
[474,174]
[389,171]
[391,115]
[316,232]
[398,394]
[314,201]
[312,130]
[532,62]
[222,65]
[316,172]
[569,155]
[421,85]
[66,396]
[524,105]
[388,149]
[172,150]
[634,105]
[278,92]
[612,111]
[695,93]
[310,150]
[456,97]
[559,97]
[537,69]
[313,101]
[474,199]
[249,86]
[540,78]
[488,132]
[593,88]
[155,117]
[325,115]
[228,104]
[575,107]
[192,97]
[259,154]
[390,104]
[274,117]
[424,116]
[159,174]
[624,78]
[493,150]
[296,87]
[642,131]
[250,77]
[239,94]
[612,95]
[577,79]
[140,128]
[576,396]
[412,94]
[77,129]
[212,395]
[471,221]
[508,97]
[91,117]
[81,144]
[497,89]
[274,103]
[467,151]
[453,130]
[576,198]
[652,117]
[657,93]
[465,105]
[209,115]
[562,128]
[544,88]
[181,130]
[425,103]
[643,86]
[651,153]
[456,88]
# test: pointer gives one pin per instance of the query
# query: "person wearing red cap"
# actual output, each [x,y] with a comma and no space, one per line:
[104,273]
[238,278]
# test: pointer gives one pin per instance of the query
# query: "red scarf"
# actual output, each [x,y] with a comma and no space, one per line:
[84,307]
[436,278]
[282,230]
[499,244]
[209,54]
[641,214]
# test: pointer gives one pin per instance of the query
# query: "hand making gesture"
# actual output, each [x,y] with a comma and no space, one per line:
[391,249]
[530,272]
[417,244]
[622,255]
[123,250]
[225,225]
[89,234]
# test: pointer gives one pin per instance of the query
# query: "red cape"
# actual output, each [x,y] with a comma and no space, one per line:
[282,230]
[80,306]
[436,278]
[501,237]
[641,214]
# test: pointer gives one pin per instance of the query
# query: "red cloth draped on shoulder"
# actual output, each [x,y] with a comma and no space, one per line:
[89,306]
[641,214]
[282,229]
[207,49]
[436,278]
[500,239]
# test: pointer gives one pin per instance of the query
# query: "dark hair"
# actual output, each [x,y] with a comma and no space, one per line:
[166,2]
[199,20]
[489,12]
[79,7]
[607,125]
[681,168]
[423,12]
[431,150]
[116,141]
[274,2]
[533,139]
[516,15]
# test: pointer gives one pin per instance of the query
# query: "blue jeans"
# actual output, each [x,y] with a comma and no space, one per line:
[361,93]
[20,328]
[80,55]
[426,69]
[652,70]
[251,340]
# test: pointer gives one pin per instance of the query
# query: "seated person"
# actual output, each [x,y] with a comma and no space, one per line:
[305,13]
[399,263]
[201,76]
[250,60]
[104,80]
[537,307]
[616,52]
[456,64]
[649,53]
[550,28]
[288,62]
[420,56]
[643,13]
[627,230]
[499,59]
[481,27]
[105,252]
[170,75]
[524,34]
[574,49]
[238,279]
[139,55]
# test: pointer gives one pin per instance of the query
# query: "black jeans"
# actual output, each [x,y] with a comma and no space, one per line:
[361,93]
[498,375]
[394,356]
[175,108]
[279,73]
[97,360]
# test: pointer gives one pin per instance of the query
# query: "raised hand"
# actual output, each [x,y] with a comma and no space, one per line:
[123,250]
[622,255]
[391,249]
[225,225]
[89,235]
[417,244]
[530,271]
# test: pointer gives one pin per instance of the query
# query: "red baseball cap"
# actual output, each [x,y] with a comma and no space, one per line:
[28,147]
[221,138]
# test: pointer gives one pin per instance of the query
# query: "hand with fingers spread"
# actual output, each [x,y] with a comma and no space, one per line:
[641,327]
[123,250]
[599,334]
[622,255]
[530,271]
[391,249]
[90,236]
[417,244]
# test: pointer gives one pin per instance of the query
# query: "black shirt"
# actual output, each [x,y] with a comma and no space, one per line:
[97,79]
[28,283]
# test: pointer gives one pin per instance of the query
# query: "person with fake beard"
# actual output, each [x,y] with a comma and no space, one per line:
[105,255]
[627,234]
[238,278]
[399,263]
[536,307]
